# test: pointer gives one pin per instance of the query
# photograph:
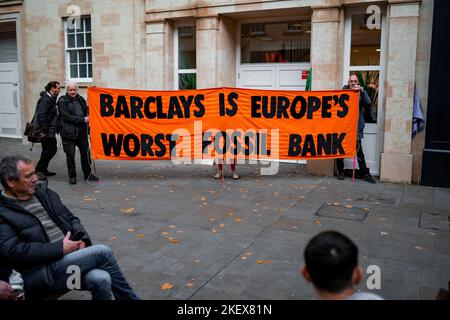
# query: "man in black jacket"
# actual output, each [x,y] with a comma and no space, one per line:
[364,100]
[74,117]
[36,231]
[47,116]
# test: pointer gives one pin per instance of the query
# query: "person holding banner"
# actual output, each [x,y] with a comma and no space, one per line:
[364,100]
[219,173]
[74,119]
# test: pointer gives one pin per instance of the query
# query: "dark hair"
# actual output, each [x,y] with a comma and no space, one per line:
[330,259]
[8,168]
[50,85]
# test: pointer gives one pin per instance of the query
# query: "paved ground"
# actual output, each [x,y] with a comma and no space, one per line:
[244,239]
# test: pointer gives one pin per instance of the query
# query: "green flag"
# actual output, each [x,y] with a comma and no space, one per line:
[308,81]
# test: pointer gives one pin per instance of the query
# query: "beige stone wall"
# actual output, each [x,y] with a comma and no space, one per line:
[117,34]
[396,158]
[422,75]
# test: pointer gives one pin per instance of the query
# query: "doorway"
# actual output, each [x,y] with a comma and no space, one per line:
[10,109]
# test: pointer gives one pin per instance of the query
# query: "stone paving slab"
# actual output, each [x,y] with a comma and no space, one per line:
[244,239]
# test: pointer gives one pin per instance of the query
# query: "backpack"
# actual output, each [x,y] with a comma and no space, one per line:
[33,131]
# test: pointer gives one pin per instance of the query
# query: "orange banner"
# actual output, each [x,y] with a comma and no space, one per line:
[222,123]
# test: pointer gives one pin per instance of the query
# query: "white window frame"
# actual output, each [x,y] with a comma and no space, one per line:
[67,55]
[176,46]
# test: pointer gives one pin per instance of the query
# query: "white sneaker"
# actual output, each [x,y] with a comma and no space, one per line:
[218,175]
[235,175]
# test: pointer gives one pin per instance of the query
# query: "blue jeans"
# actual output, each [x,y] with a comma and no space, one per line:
[100,273]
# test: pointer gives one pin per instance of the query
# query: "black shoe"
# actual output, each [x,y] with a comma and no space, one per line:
[50,174]
[92,178]
[73,180]
[367,177]
[340,176]
[41,175]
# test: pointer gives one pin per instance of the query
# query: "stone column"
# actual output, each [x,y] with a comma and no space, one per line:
[397,159]
[159,56]
[207,53]
[325,44]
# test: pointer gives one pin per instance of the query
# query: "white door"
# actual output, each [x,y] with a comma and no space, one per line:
[364,47]
[10,117]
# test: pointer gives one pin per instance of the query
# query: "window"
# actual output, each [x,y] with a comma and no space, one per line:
[78,41]
[276,42]
[185,57]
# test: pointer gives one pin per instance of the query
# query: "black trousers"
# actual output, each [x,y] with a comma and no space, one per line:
[359,156]
[69,148]
[48,152]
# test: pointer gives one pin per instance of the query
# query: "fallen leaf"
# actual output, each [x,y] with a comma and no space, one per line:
[128,211]
[263,261]
[230,214]
[366,209]
[165,233]
[238,220]
[203,198]
[213,230]
[336,203]
[383,219]
[222,225]
[244,258]
[197,261]
[172,240]
[189,285]
[212,219]
[130,229]
[140,235]
[383,233]
[180,231]
[113,238]
[294,227]
[349,206]
[418,248]
[97,191]
[166,286]
[171,226]
[212,191]
[248,253]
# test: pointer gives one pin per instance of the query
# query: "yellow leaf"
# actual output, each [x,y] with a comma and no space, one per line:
[238,220]
[140,235]
[349,206]
[128,211]
[166,286]
[113,238]
[171,226]
[130,229]
[165,233]
[222,225]
[263,261]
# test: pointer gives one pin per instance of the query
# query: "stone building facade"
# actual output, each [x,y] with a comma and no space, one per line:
[168,44]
